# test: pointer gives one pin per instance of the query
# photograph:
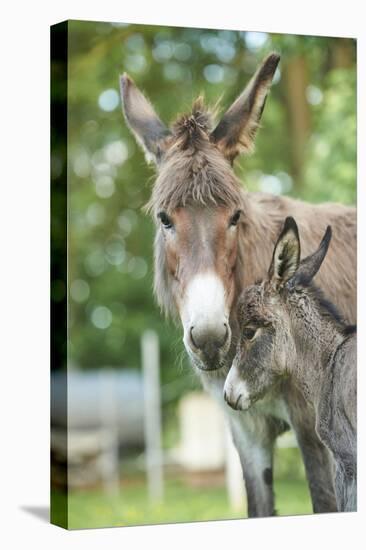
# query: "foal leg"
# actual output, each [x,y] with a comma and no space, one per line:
[318,462]
[346,487]
[318,467]
[346,491]
[254,439]
[344,452]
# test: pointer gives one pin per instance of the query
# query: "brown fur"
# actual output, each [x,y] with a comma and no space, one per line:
[194,172]
[199,169]
[258,230]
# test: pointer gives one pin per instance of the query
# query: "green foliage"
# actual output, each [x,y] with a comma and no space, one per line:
[331,165]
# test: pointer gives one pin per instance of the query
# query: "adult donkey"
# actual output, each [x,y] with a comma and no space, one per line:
[212,239]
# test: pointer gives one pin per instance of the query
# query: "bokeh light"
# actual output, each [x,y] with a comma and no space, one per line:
[101,317]
[255,40]
[79,290]
[109,100]
[214,73]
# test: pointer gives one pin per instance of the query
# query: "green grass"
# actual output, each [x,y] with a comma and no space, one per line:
[182,503]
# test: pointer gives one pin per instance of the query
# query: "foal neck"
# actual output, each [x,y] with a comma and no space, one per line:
[317,338]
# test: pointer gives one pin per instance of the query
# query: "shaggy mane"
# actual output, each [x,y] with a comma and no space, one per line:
[327,309]
[194,171]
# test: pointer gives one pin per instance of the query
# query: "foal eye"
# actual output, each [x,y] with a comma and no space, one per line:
[235,218]
[249,333]
[165,220]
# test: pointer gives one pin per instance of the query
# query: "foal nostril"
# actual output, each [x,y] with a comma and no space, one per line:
[237,402]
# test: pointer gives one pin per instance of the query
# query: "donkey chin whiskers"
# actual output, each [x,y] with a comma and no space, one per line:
[219,370]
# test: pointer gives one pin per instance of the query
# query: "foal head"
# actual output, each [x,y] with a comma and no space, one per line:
[198,207]
[278,318]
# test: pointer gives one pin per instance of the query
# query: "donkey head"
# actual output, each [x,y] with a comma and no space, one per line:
[198,207]
[269,313]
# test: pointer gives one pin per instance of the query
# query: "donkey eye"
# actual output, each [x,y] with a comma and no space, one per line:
[249,333]
[165,220]
[235,218]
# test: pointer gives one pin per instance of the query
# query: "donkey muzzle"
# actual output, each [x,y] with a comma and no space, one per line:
[205,318]
[209,344]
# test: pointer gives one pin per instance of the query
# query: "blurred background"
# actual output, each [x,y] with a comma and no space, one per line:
[175,462]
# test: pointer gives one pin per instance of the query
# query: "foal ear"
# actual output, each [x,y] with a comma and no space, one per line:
[310,265]
[286,254]
[236,131]
[142,120]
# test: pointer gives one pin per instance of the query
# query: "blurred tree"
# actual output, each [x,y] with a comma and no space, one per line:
[331,168]
[296,77]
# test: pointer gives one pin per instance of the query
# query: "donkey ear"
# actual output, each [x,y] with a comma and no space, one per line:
[236,131]
[310,265]
[144,123]
[286,254]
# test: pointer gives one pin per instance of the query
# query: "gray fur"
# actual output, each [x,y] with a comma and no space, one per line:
[291,336]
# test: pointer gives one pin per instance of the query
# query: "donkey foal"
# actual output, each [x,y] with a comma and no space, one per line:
[289,330]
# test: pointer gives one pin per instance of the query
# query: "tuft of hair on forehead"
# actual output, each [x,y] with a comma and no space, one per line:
[189,130]
[194,172]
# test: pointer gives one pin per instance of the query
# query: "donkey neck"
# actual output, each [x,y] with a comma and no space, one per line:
[263,215]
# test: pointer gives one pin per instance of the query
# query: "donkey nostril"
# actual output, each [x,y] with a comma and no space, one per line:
[225,396]
[209,339]
[221,342]
[192,339]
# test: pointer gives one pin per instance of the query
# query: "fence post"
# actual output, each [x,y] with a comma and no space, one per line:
[152,415]
[109,460]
